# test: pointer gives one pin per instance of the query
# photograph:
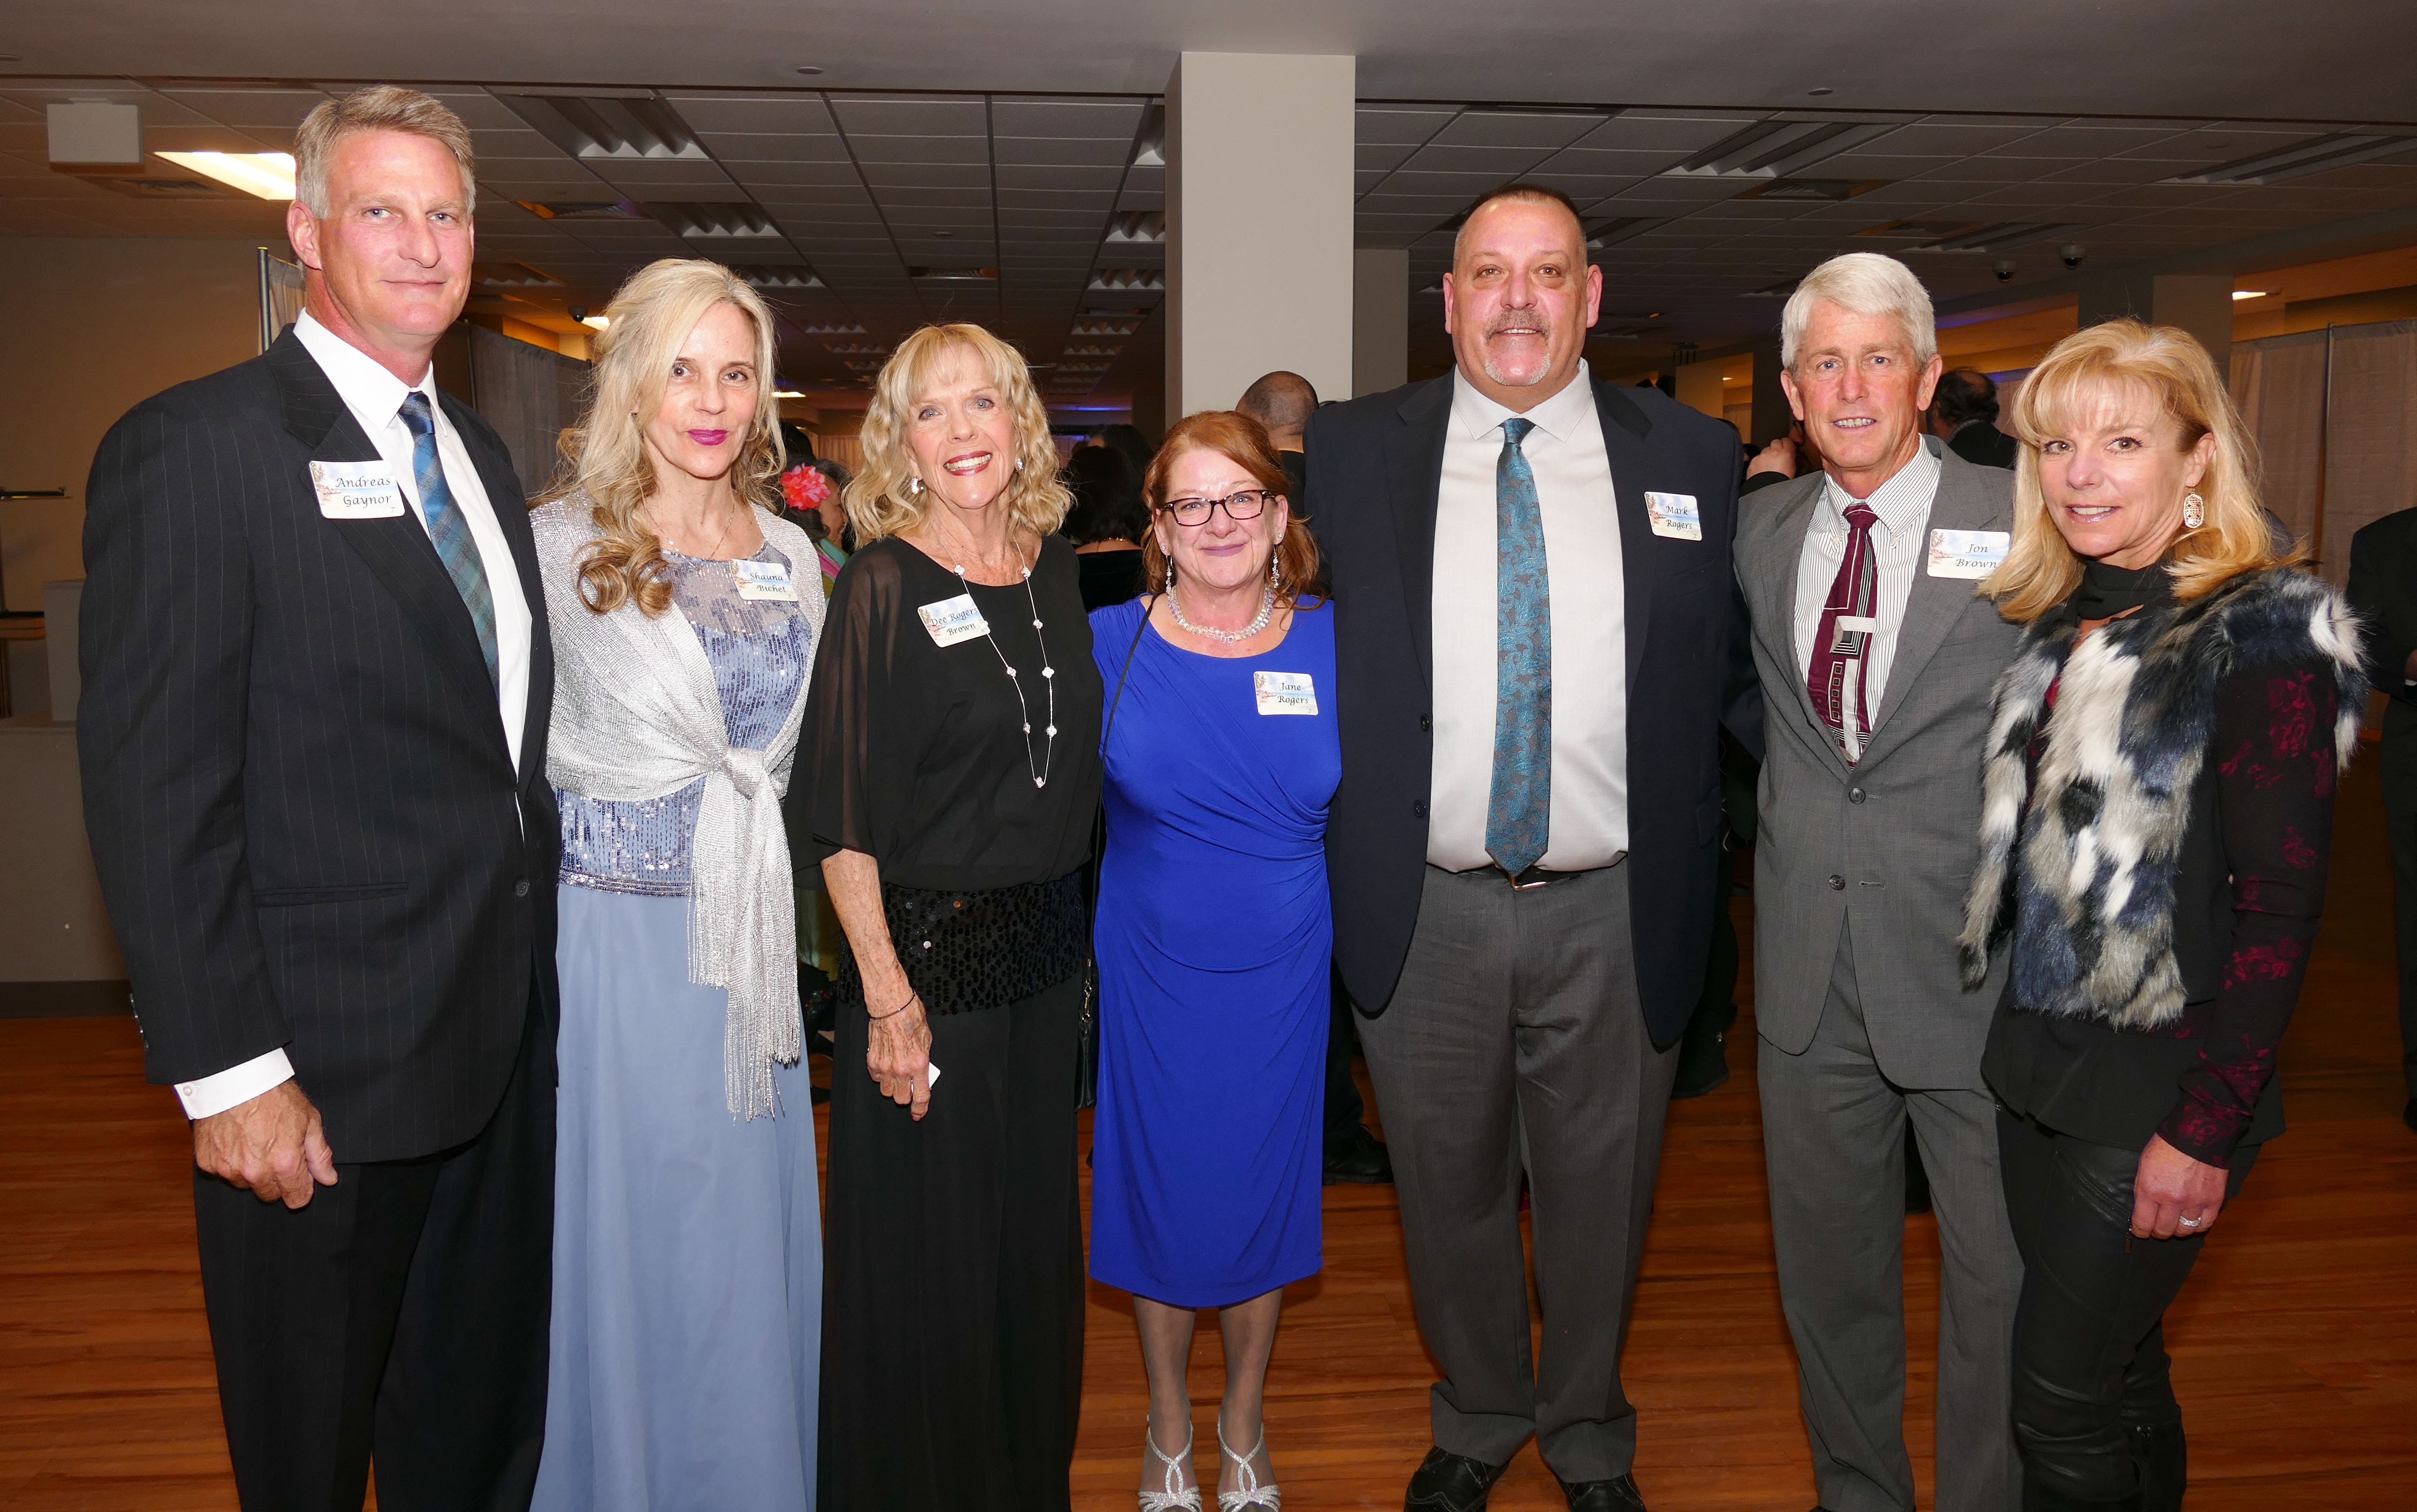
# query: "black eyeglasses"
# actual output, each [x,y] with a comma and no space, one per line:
[1246,504]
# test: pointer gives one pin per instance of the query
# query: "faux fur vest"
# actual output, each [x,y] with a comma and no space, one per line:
[2080,867]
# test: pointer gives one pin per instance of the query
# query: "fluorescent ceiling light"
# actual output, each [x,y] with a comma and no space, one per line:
[788,393]
[2249,293]
[267,175]
[597,322]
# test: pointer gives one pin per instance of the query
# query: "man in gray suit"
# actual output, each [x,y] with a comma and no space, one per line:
[1877,661]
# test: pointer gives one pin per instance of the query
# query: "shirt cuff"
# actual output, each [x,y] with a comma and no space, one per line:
[234,1085]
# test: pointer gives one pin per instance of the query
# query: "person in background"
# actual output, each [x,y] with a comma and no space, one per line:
[1526,830]
[313,754]
[1128,441]
[1780,458]
[1283,402]
[1877,659]
[687,1306]
[954,779]
[811,494]
[1220,762]
[1106,524]
[2158,806]
[2383,590]
[1963,414]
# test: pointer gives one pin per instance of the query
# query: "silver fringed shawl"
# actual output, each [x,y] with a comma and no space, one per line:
[637,715]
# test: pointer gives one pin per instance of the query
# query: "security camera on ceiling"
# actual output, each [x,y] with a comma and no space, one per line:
[2005,270]
[2073,254]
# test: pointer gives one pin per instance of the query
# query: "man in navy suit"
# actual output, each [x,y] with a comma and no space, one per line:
[1537,636]
[316,685]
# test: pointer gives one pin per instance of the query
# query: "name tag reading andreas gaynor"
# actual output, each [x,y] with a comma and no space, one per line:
[951,620]
[356,491]
[1285,692]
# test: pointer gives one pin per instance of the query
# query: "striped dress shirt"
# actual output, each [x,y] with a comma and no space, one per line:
[1903,506]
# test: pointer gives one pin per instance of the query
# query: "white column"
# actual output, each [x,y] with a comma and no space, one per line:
[1380,319]
[1259,224]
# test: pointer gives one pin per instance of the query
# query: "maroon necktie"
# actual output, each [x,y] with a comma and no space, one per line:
[1837,651]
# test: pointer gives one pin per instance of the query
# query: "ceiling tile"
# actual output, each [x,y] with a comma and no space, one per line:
[959,175]
[908,149]
[1398,126]
[1051,152]
[802,114]
[249,107]
[1662,133]
[904,115]
[1117,119]
[1495,162]
[799,174]
[1536,132]
[765,147]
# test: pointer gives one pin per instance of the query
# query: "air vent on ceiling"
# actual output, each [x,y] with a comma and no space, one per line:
[510,276]
[1773,291]
[1105,328]
[2339,150]
[2002,237]
[1605,234]
[1149,144]
[825,328]
[1093,351]
[1138,227]
[715,222]
[1924,231]
[1774,149]
[1128,280]
[609,129]
[953,275]
[1813,189]
[583,210]
[786,279]
[159,188]
[855,349]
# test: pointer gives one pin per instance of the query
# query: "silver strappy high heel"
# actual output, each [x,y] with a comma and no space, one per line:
[1176,1497]
[1253,1493]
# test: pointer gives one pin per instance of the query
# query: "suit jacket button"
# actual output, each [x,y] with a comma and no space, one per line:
[1854,794]
[1419,806]
[1837,883]
[1426,722]
[520,888]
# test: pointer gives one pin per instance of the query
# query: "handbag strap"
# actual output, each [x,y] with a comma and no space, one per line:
[1109,725]
[1100,815]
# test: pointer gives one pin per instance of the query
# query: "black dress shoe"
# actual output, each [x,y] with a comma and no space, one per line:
[1619,1495]
[1703,1065]
[1446,1482]
[1358,1156]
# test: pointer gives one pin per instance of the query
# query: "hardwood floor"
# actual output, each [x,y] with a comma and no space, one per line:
[2296,1344]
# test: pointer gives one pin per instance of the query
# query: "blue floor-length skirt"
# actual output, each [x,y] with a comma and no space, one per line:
[687,1245]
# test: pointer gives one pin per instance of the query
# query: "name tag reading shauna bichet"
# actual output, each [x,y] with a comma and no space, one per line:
[956,619]
[759,581]
[1968,554]
[356,491]
[1285,692]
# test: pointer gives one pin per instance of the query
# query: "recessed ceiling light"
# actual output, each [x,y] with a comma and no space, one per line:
[788,393]
[2249,293]
[597,322]
[809,69]
[1820,91]
[267,175]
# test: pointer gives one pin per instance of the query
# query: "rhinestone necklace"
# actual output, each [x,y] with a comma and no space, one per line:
[1048,675]
[1266,611]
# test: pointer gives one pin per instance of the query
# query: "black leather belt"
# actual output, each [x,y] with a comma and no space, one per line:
[1534,876]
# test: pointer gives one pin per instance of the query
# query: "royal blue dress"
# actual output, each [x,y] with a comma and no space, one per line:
[1213,937]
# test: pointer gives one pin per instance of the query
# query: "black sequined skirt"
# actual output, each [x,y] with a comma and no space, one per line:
[982,947]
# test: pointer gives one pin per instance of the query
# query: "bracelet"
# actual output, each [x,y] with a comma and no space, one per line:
[912,998]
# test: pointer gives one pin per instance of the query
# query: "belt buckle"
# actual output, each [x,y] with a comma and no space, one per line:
[1518,887]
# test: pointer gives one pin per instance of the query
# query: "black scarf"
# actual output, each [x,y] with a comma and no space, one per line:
[2108,591]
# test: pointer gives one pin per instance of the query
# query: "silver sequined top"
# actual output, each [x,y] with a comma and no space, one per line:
[761,651]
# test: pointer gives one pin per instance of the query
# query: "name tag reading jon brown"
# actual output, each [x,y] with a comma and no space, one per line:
[956,619]
[1285,692]
[1966,554]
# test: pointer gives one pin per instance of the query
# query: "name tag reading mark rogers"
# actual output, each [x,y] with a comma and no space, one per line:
[1968,554]
[951,620]
[356,491]
[1285,692]
[1675,515]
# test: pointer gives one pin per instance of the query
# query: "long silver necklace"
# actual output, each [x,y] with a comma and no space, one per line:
[1266,611]
[1048,675]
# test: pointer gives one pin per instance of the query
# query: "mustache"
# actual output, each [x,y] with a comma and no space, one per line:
[1530,318]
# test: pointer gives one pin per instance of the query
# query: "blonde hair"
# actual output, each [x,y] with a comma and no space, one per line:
[377,108]
[1867,283]
[606,457]
[2167,366]
[878,501]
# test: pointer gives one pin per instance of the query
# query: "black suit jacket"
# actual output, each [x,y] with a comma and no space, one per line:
[1983,445]
[306,819]
[1376,468]
[2384,589]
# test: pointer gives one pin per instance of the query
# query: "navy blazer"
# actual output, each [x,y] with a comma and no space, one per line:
[308,826]
[1376,470]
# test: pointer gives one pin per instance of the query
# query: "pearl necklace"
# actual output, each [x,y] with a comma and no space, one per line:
[1048,675]
[1266,611]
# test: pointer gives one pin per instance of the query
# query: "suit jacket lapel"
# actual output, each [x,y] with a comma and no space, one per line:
[1932,604]
[396,549]
[1775,591]
[1624,429]
[1414,481]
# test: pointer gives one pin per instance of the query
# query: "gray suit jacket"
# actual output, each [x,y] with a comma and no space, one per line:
[1891,841]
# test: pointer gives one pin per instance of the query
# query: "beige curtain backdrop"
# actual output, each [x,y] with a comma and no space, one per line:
[2362,458]
[529,395]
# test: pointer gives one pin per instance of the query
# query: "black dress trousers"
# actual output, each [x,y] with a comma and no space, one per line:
[402,1315]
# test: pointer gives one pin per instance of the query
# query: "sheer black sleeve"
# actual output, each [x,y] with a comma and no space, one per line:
[852,774]
[2275,772]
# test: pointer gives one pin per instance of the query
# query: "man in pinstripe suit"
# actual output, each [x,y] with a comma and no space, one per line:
[313,749]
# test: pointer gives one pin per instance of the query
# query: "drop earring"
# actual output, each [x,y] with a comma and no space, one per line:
[914,487]
[2194,511]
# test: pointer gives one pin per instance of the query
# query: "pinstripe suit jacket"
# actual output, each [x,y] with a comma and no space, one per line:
[1891,841]
[302,806]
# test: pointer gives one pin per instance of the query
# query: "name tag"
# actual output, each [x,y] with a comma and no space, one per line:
[765,580]
[1675,515]
[1968,554]
[956,619]
[356,491]
[1285,692]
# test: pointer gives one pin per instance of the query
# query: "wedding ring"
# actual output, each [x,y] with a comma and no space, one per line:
[2190,1223]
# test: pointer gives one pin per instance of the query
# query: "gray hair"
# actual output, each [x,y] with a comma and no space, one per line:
[1868,284]
[377,108]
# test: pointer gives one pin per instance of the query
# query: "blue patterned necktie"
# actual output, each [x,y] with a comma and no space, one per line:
[1518,810]
[447,528]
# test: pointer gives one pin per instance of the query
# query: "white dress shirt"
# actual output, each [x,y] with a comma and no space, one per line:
[376,398]
[1589,818]
[1903,507]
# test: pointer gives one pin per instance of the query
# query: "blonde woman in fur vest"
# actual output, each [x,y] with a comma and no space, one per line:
[687,1317]
[2157,802]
